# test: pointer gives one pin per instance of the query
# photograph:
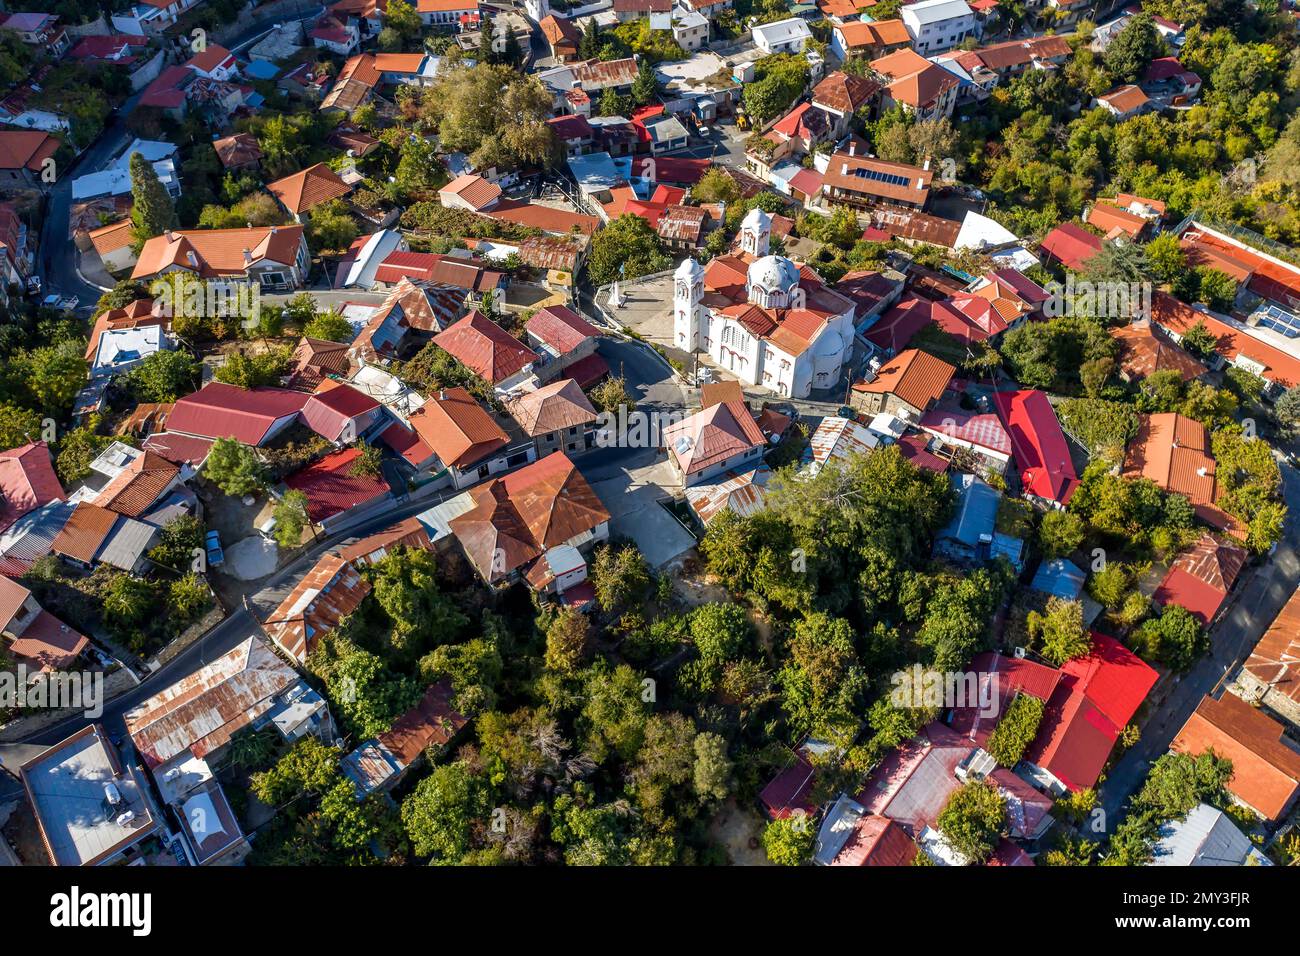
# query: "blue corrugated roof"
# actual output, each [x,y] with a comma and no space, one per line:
[1060,578]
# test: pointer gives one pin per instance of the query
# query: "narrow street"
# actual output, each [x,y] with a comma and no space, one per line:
[1270,586]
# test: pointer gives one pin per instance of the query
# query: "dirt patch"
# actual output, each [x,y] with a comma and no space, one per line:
[738,832]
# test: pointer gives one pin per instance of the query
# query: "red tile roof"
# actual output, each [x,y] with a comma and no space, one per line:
[474,190]
[1041,451]
[916,377]
[139,485]
[457,428]
[1174,452]
[1275,661]
[48,643]
[308,188]
[712,435]
[517,517]
[1230,342]
[26,149]
[331,487]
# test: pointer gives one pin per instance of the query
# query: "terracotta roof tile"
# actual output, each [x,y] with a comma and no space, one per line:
[308,188]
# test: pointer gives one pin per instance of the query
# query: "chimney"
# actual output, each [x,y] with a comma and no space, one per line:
[248,257]
[442,394]
[171,236]
[926,164]
[1202,471]
[853,147]
[844,169]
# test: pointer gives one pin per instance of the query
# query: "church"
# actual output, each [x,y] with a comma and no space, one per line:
[762,318]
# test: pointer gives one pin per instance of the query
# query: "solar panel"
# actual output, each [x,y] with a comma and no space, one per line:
[1279,320]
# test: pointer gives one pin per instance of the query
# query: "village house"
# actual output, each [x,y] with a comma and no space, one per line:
[715,440]
[907,386]
[275,257]
[1265,764]
[467,444]
[533,524]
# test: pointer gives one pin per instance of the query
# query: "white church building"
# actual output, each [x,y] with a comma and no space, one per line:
[762,318]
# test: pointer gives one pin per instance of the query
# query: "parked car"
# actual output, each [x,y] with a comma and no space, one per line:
[216,556]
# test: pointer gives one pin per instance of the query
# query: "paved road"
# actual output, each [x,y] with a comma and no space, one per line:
[58,255]
[1270,587]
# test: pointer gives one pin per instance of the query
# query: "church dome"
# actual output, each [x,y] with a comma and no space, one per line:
[773,274]
[756,220]
[689,270]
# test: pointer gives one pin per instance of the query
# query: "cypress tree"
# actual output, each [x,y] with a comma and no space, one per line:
[153,211]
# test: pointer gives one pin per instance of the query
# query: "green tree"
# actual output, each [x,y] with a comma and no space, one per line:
[187,596]
[712,769]
[1175,638]
[164,376]
[422,613]
[309,767]
[402,16]
[329,326]
[619,576]
[721,632]
[152,209]
[566,640]
[626,248]
[778,82]
[254,371]
[128,601]
[645,87]
[331,227]
[789,842]
[1129,53]
[77,448]
[234,468]
[291,519]
[1016,730]
[974,820]
[1060,630]
[1060,533]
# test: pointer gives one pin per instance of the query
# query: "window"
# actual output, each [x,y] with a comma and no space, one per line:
[273,278]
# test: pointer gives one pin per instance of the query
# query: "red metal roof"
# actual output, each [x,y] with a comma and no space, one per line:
[485,348]
[1041,451]
[1098,695]
[224,411]
[331,488]
[1201,578]
[1070,244]
[561,328]
[27,481]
